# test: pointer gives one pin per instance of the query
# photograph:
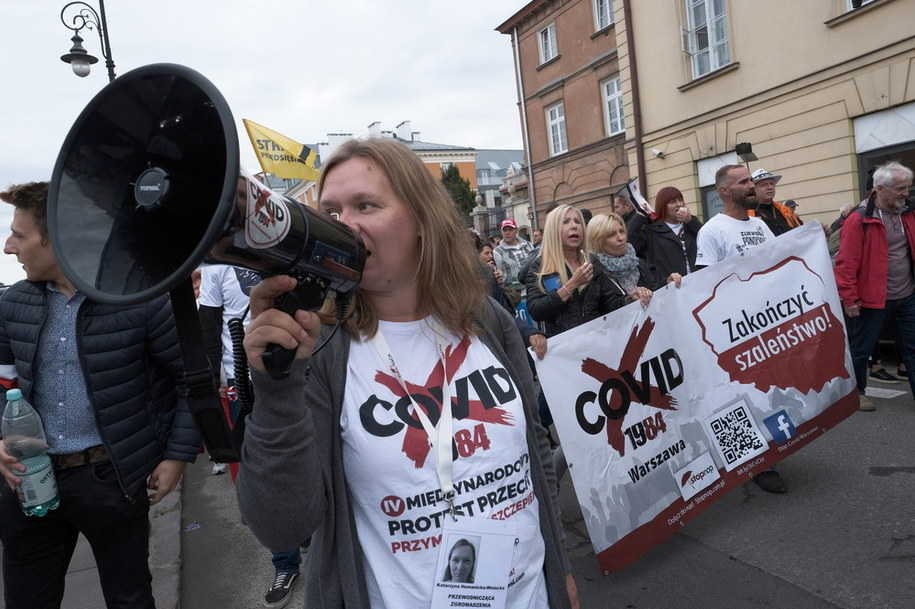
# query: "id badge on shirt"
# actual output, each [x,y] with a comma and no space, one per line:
[474,563]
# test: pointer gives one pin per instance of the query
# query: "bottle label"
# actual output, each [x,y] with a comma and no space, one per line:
[39,485]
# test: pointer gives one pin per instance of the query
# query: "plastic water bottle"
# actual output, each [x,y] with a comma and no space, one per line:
[23,435]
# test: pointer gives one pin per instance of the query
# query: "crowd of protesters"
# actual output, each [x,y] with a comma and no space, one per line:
[329,443]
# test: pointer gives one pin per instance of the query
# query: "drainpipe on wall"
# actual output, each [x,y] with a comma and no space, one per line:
[636,105]
[525,133]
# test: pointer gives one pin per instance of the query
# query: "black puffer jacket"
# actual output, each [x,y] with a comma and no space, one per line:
[131,360]
[598,298]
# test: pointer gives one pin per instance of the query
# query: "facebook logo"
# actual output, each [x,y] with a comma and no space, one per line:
[780,426]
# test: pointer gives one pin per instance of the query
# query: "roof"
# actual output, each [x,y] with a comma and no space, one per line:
[502,158]
[420,146]
[519,16]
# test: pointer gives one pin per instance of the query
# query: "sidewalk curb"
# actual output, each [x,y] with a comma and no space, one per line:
[165,550]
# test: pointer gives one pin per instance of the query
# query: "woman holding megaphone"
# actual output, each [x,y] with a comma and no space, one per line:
[415,423]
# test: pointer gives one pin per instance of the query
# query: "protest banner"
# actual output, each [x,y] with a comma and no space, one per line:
[662,410]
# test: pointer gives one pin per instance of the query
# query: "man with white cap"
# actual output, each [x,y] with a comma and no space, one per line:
[779,218]
[511,253]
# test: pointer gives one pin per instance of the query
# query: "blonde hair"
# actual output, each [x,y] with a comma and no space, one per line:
[599,227]
[553,258]
[449,284]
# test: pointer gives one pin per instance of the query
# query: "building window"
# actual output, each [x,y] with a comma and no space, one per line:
[445,166]
[484,177]
[853,4]
[556,123]
[548,48]
[706,39]
[712,204]
[603,14]
[613,106]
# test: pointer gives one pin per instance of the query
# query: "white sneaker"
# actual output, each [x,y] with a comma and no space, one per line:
[220,468]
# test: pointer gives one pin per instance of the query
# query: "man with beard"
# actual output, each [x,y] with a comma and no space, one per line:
[733,231]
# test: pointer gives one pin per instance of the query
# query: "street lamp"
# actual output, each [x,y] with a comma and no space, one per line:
[86,17]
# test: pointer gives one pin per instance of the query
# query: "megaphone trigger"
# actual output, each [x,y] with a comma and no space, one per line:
[308,295]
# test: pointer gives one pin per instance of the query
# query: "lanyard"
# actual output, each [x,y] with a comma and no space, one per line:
[441,437]
[681,234]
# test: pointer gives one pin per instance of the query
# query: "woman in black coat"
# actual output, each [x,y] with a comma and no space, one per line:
[669,243]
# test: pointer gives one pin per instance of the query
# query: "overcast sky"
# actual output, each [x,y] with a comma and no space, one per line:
[300,67]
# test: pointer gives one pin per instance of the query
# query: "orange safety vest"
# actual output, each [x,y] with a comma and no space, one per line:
[790,217]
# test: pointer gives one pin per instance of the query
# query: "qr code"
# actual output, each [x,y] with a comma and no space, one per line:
[736,436]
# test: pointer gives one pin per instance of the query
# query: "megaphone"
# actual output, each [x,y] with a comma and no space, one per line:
[147,187]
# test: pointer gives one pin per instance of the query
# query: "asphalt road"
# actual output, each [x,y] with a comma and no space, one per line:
[842,537]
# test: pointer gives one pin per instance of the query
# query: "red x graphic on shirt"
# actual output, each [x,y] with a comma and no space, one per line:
[416,444]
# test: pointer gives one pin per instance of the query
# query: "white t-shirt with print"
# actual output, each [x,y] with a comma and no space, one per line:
[724,236]
[391,471]
[227,287]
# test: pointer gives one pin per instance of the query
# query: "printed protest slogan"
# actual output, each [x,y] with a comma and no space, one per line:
[663,410]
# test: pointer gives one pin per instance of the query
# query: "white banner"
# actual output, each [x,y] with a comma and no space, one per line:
[663,410]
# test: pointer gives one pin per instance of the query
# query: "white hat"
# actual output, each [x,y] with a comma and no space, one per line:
[762,174]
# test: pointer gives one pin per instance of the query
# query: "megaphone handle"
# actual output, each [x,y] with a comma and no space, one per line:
[307,295]
[278,360]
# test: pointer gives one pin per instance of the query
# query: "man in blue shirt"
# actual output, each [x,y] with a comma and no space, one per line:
[105,380]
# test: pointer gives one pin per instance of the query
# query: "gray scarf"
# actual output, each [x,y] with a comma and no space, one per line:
[623,269]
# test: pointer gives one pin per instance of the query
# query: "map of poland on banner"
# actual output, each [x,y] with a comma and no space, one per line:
[663,410]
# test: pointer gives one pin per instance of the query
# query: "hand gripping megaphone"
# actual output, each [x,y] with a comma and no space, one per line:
[146,188]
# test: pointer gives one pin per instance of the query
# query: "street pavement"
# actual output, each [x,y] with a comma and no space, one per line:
[843,537]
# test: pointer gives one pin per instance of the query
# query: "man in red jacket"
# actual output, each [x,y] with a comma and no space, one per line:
[874,269]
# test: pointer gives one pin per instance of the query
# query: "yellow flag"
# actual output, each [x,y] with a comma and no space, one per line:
[281,156]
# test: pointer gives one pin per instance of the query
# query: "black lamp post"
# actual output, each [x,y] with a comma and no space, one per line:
[86,17]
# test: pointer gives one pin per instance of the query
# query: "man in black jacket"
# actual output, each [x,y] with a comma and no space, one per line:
[105,380]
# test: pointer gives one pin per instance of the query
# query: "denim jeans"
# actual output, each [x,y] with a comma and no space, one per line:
[37,551]
[546,417]
[288,561]
[865,331]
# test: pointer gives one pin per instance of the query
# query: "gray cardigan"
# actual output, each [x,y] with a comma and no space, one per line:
[292,486]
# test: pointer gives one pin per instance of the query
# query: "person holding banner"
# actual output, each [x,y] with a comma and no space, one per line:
[732,233]
[669,243]
[354,449]
[566,287]
[607,240]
